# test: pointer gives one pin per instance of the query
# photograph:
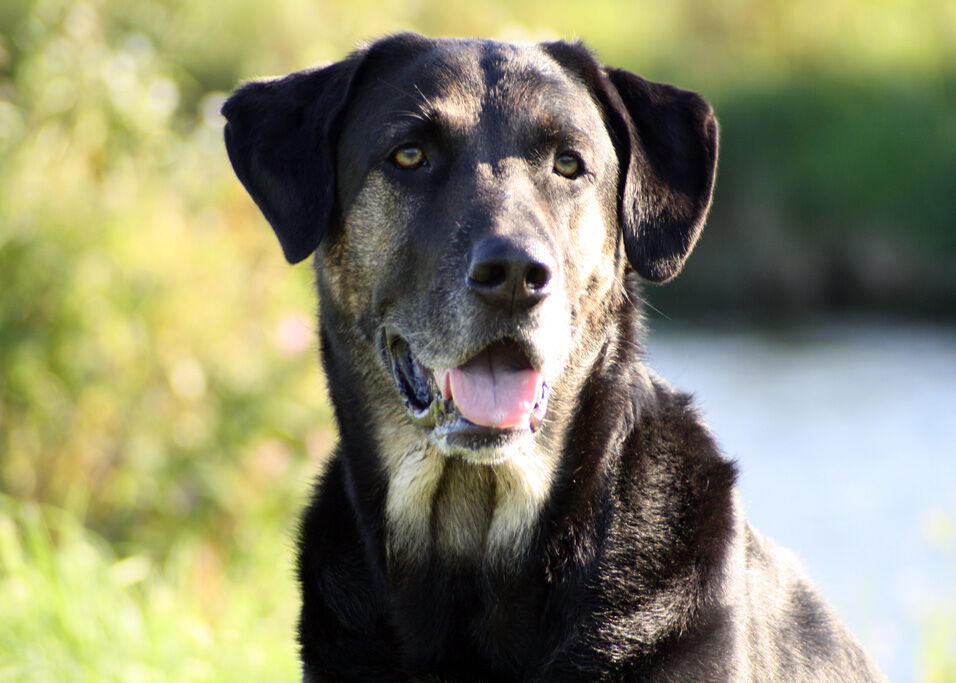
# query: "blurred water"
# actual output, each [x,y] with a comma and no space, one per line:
[845,437]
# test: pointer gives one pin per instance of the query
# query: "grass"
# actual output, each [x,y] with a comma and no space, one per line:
[73,611]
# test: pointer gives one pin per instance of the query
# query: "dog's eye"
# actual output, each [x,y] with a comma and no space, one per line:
[409,156]
[568,164]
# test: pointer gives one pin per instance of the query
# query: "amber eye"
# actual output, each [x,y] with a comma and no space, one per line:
[409,156]
[568,164]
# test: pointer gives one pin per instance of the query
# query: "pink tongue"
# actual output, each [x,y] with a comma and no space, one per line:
[490,394]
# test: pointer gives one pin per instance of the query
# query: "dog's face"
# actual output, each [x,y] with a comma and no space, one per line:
[479,217]
[473,203]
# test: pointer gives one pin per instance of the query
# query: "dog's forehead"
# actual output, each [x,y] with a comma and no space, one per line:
[463,80]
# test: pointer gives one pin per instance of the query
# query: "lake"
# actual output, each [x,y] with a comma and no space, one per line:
[844,433]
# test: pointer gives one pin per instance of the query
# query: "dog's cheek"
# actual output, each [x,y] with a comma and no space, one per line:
[355,268]
[593,277]
[593,263]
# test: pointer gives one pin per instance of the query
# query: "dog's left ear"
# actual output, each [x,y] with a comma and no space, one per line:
[667,147]
[666,142]
[281,135]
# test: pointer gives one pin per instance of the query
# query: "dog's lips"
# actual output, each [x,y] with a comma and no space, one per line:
[497,390]
[415,382]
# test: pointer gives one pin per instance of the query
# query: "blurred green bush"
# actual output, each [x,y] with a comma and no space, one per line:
[144,324]
[159,396]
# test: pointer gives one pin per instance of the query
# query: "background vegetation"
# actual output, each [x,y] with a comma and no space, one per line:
[161,413]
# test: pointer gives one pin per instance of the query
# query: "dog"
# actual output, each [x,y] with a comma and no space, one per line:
[515,496]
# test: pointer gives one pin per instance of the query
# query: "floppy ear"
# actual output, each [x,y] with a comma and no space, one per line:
[280,135]
[667,146]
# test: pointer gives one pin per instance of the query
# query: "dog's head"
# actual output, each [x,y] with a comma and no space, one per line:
[475,205]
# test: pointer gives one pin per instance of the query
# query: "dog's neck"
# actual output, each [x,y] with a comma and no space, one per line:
[463,512]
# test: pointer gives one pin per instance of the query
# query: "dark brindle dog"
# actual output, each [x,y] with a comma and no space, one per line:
[515,496]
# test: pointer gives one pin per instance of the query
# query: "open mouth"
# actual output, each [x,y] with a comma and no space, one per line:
[496,392]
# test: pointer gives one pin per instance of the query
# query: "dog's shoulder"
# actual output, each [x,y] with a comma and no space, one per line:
[792,632]
[686,589]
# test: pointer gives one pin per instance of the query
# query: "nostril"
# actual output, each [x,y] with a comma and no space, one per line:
[488,274]
[537,276]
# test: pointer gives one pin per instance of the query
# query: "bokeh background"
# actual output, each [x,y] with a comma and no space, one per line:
[161,411]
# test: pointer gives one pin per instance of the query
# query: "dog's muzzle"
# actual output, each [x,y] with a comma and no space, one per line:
[495,393]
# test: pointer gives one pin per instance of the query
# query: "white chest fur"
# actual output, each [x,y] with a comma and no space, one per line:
[466,512]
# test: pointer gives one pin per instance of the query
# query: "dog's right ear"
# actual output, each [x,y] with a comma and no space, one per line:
[280,135]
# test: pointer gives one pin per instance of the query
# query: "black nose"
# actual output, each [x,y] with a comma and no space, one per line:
[509,273]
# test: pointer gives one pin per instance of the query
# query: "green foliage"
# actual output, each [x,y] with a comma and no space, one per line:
[139,301]
[843,156]
[146,324]
[73,611]
[837,189]
[939,655]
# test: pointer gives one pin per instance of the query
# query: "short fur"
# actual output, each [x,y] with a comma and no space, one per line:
[607,543]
